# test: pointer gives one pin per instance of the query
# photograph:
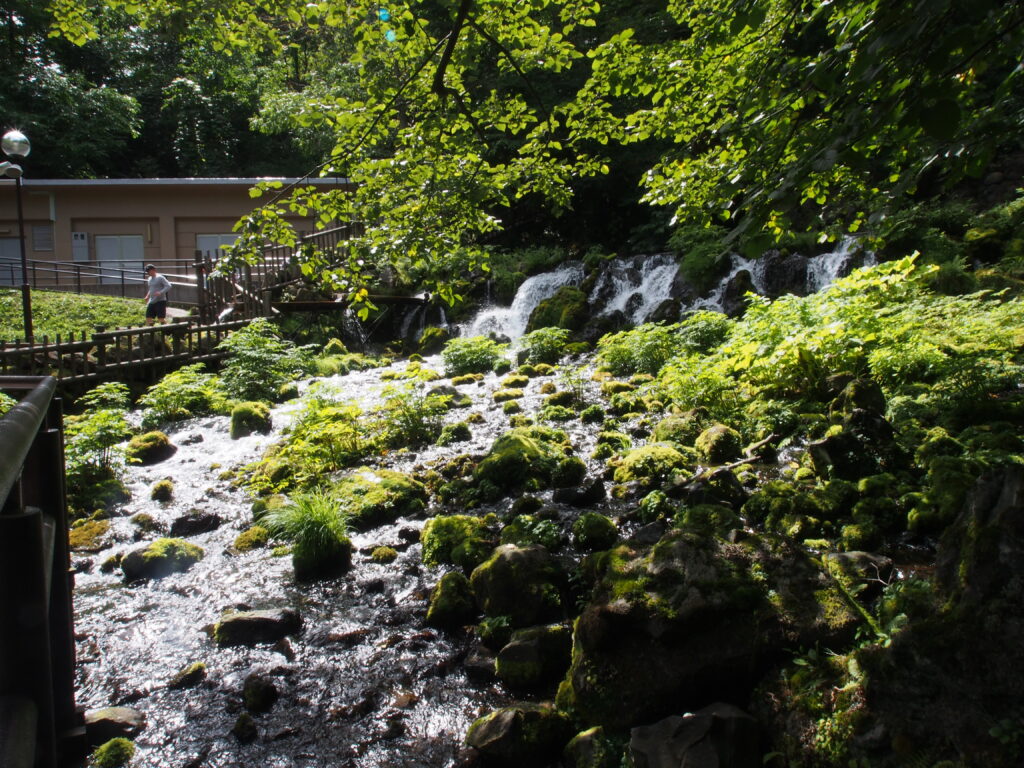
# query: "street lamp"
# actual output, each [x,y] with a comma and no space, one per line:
[16,146]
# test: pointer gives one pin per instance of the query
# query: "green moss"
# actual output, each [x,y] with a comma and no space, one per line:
[115,753]
[527,370]
[527,529]
[432,340]
[517,381]
[512,407]
[251,538]
[503,395]
[594,531]
[682,428]
[189,677]
[384,555]
[530,456]
[544,369]
[461,540]
[89,536]
[468,378]
[592,414]
[609,388]
[287,391]
[454,433]
[451,602]
[561,398]
[567,308]
[249,417]
[707,518]
[650,464]
[719,444]
[370,498]
[162,490]
[161,558]
[149,448]
[556,413]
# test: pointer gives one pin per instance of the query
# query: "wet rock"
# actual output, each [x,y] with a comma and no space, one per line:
[718,487]
[526,455]
[536,656]
[102,725]
[589,493]
[160,558]
[865,446]
[667,312]
[734,303]
[479,664]
[593,531]
[782,274]
[250,417]
[456,398]
[567,308]
[601,325]
[256,627]
[258,693]
[527,735]
[192,439]
[245,729]
[861,393]
[521,583]
[451,602]
[372,498]
[719,444]
[717,736]
[189,677]
[195,522]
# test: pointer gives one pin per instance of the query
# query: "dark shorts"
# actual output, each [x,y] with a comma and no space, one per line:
[157,309]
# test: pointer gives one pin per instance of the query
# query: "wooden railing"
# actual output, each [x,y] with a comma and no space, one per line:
[117,354]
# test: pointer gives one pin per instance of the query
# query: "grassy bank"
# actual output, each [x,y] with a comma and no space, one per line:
[66,313]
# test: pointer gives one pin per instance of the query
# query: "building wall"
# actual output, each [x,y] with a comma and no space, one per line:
[168,214]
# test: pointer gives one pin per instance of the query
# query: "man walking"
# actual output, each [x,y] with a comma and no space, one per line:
[157,288]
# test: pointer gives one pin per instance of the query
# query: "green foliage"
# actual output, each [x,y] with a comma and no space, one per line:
[461,540]
[6,403]
[260,362]
[527,530]
[94,462]
[476,354]
[317,528]
[703,257]
[181,394]
[644,349]
[545,345]
[411,417]
[66,313]
[112,395]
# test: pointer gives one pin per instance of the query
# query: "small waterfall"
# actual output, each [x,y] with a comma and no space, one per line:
[825,269]
[511,321]
[417,312]
[635,288]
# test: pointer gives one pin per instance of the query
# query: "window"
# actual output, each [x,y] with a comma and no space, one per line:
[208,245]
[42,237]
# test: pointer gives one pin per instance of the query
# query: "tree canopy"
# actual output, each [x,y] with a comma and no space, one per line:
[468,123]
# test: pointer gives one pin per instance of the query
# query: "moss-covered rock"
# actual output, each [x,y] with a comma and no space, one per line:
[384,555]
[258,693]
[370,498]
[188,677]
[593,531]
[719,444]
[451,602]
[535,656]
[567,308]
[251,628]
[89,535]
[249,417]
[651,464]
[525,735]
[531,458]
[432,340]
[515,381]
[461,540]
[114,753]
[524,584]
[160,558]
[682,429]
[504,395]
[162,490]
[527,530]
[454,433]
[149,448]
[253,537]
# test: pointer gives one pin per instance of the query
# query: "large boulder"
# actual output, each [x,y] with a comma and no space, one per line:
[684,622]
[451,602]
[536,656]
[374,497]
[783,273]
[160,558]
[526,735]
[529,457]
[195,522]
[567,308]
[523,583]
[150,448]
[717,736]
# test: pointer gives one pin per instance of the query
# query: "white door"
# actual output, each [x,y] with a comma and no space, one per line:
[10,261]
[117,253]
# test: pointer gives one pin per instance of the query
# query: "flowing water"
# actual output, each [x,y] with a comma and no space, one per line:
[364,683]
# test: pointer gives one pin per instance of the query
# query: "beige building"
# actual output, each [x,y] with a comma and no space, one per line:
[105,230]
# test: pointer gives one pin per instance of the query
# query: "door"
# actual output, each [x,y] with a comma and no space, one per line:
[10,261]
[119,253]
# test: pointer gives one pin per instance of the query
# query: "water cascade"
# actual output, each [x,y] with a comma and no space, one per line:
[511,321]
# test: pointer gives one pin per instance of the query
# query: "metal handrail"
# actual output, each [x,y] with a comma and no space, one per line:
[18,429]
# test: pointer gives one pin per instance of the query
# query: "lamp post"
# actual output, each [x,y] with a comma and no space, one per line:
[16,146]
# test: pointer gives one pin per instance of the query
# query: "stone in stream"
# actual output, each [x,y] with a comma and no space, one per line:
[521,583]
[716,736]
[586,494]
[535,656]
[102,725]
[195,522]
[525,735]
[451,602]
[189,677]
[160,558]
[255,627]
[258,693]
[150,448]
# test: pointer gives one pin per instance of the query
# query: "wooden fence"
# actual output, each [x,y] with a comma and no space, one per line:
[116,354]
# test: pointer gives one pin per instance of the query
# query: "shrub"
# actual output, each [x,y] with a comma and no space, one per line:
[476,354]
[260,361]
[411,417]
[704,258]
[317,530]
[545,345]
[94,461]
[179,395]
[644,349]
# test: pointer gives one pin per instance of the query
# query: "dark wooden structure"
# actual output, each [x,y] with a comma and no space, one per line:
[40,724]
